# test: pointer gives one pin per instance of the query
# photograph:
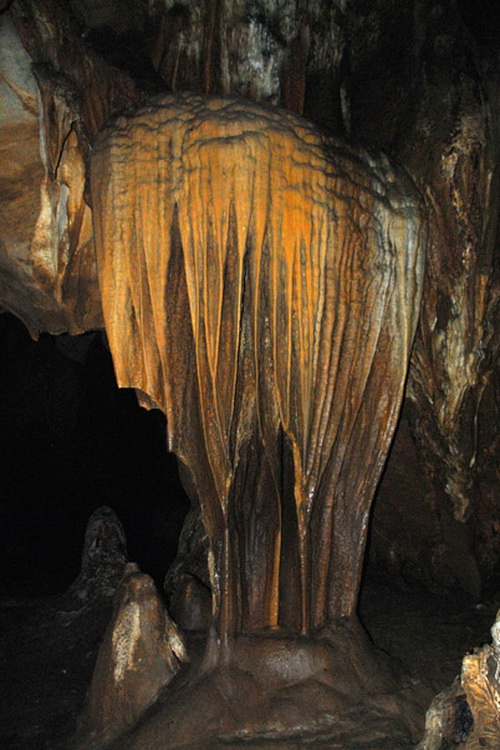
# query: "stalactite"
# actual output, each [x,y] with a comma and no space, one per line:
[261,284]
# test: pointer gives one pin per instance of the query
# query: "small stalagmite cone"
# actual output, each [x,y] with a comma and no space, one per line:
[141,652]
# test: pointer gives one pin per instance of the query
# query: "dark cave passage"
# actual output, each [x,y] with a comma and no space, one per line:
[70,442]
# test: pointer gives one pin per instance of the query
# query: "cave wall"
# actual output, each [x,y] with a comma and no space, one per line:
[420,79]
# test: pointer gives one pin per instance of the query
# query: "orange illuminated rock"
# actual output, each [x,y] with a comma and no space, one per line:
[261,284]
[481,683]
[54,96]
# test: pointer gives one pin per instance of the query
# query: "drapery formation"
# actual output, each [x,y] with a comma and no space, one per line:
[260,284]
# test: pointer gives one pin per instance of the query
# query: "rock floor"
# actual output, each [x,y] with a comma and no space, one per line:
[49,645]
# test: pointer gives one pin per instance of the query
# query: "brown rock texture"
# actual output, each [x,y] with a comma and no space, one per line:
[467,715]
[422,81]
[54,95]
[261,285]
[140,654]
[481,683]
[104,557]
[261,282]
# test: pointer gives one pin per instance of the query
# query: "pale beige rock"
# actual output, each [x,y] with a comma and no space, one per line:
[466,715]
[439,720]
[55,94]
[481,683]
[141,652]
[46,223]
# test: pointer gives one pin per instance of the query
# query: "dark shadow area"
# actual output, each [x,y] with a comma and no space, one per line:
[70,442]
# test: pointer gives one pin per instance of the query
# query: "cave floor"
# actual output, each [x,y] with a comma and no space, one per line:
[48,649]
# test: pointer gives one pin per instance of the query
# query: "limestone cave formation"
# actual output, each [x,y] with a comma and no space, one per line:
[273,225]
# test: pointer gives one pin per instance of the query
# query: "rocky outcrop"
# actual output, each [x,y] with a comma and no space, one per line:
[141,653]
[467,715]
[104,557]
[55,95]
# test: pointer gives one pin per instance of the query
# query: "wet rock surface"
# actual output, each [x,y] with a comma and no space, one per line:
[141,652]
[49,654]
[334,690]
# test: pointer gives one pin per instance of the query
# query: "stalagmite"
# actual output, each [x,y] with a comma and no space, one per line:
[141,652]
[104,557]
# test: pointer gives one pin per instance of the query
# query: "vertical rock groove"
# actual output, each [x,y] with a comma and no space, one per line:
[261,284]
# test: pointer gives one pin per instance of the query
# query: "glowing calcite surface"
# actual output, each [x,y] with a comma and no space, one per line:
[261,284]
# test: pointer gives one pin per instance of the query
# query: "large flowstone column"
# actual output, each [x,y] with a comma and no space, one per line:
[261,284]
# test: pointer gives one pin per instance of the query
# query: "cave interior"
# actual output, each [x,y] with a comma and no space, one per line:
[422,82]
